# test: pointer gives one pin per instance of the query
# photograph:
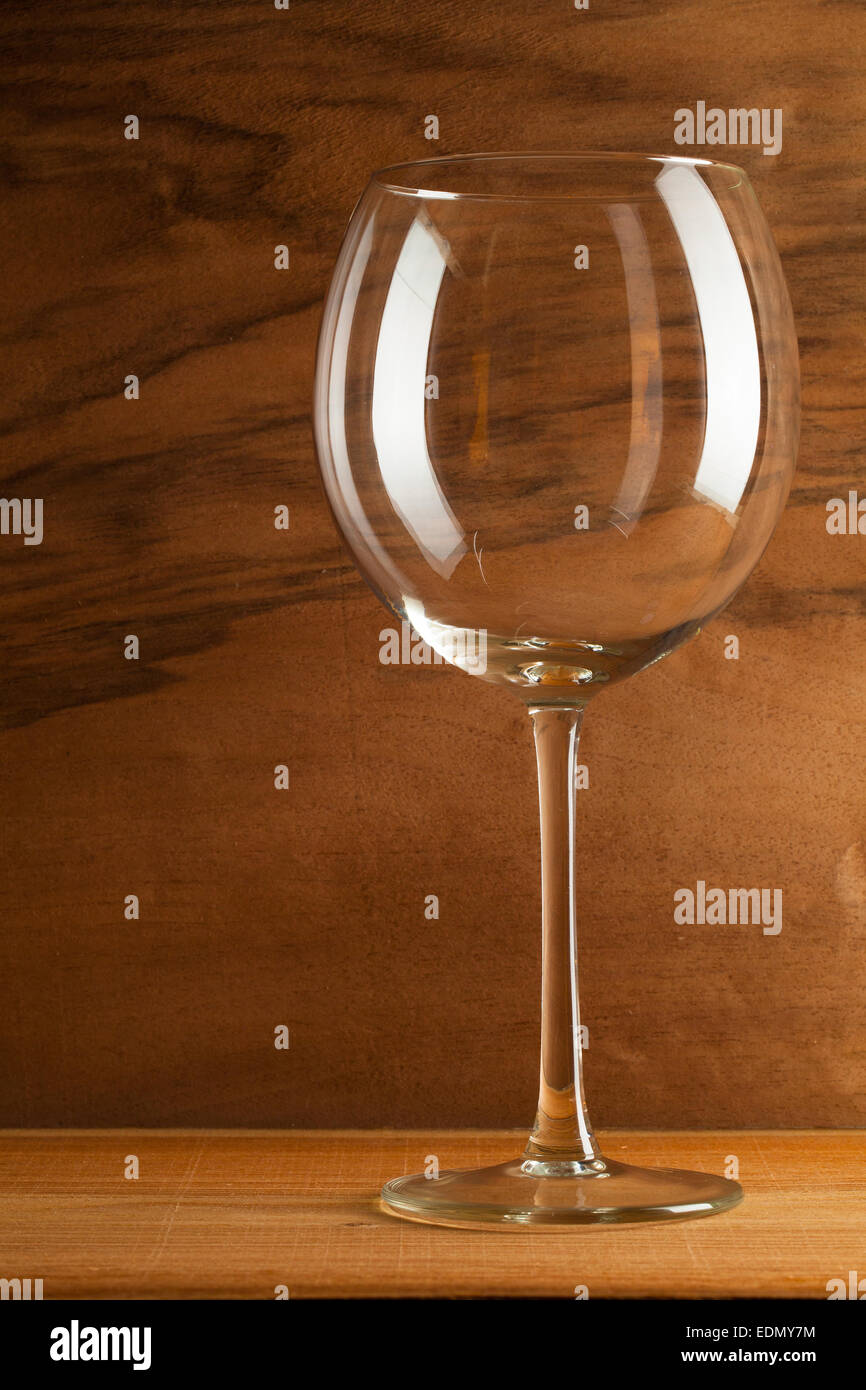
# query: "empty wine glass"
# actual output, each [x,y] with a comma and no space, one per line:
[556,412]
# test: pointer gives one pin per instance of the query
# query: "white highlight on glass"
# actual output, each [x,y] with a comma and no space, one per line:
[398,405]
[344,496]
[733,384]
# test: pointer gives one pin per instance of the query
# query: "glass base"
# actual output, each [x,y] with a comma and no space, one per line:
[544,1192]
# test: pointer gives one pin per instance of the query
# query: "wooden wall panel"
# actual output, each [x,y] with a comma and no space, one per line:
[259,647]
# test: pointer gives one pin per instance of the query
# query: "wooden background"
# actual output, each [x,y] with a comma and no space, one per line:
[306,907]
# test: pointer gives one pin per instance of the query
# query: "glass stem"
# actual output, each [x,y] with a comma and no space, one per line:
[562,1130]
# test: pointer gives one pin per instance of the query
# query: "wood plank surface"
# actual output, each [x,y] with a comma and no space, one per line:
[154,777]
[235,1215]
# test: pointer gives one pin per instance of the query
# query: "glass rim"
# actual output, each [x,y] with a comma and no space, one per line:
[388,177]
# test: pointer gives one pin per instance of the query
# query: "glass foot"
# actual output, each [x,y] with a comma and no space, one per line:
[543,1192]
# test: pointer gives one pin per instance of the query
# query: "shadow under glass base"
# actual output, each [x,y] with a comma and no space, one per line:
[544,1192]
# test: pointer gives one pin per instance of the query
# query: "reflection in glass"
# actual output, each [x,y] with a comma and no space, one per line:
[733,374]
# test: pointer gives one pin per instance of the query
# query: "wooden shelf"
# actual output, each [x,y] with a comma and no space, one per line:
[234,1214]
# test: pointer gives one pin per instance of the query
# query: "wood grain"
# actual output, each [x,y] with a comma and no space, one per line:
[260,647]
[226,1215]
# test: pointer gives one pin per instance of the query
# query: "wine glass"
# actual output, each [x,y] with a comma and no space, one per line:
[556,412]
